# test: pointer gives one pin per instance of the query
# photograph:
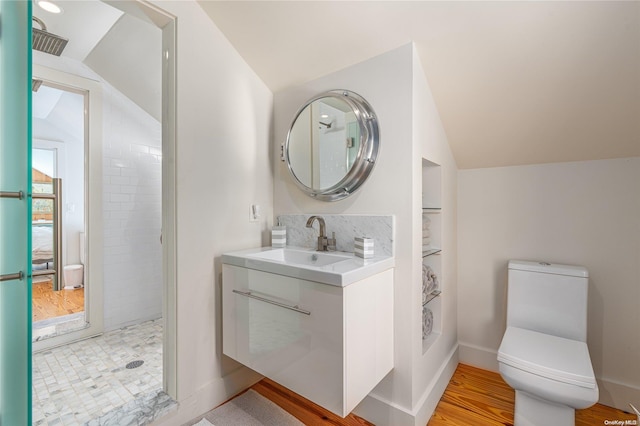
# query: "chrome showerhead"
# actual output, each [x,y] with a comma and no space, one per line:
[47,42]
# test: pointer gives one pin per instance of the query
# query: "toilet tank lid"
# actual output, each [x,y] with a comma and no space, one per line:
[549,268]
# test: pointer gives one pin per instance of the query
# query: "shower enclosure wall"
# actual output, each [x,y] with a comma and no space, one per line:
[132,213]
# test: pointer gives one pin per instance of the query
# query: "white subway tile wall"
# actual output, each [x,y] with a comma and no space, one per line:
[132,184]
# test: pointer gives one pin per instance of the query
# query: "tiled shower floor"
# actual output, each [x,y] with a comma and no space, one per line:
[87,380]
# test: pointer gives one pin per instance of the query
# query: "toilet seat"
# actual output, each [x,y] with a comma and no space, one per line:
[552,357]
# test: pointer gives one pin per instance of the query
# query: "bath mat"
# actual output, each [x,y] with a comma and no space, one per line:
[249,409]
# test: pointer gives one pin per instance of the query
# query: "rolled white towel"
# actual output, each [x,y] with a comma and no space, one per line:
[426,233]
[425,277]
[432,280]
[426,241]
[427,322]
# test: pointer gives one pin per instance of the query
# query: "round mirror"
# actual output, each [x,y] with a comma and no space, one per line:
[332,145]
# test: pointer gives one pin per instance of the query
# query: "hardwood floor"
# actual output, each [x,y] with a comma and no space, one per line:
[480,397]
[47,303]
[303,409]
[474,397]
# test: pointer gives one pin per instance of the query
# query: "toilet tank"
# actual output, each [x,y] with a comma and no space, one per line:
[548,298]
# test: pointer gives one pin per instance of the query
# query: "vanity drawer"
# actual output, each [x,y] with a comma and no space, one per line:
[330,344]
[264,329]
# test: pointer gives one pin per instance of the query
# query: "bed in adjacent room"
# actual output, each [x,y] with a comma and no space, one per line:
[42,246]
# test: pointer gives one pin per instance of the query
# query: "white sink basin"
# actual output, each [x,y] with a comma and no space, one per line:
[300,257]
[335,268]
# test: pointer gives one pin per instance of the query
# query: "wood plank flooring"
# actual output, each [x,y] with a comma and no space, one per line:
[480,397]
[301,408]
[47,303]
[474,397]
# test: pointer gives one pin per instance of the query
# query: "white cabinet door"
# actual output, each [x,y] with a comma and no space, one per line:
[302,351]
[330,344]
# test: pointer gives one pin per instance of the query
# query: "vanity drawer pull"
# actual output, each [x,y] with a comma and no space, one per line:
[273,302]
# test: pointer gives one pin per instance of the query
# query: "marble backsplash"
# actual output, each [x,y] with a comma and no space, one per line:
[346,228]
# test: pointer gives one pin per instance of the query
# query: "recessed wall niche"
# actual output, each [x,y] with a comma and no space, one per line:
[432,280]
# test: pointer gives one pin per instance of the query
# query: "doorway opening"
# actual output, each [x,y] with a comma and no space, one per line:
[126,295]
[67,221]
[58,218]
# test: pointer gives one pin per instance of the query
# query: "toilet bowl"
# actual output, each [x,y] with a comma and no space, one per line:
[543,355]
[73,276]
[552,376]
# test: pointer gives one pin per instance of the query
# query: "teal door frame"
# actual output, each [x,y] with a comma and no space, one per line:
[15,212]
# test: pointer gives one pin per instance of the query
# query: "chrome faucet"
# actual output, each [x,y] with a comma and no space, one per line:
[324,243]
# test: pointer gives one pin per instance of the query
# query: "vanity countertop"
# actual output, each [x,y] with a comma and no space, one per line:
[333,268]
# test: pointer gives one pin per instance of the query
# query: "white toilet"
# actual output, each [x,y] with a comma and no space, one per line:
[543,354]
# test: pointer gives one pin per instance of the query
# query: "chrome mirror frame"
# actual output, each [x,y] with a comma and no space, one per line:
[368,149]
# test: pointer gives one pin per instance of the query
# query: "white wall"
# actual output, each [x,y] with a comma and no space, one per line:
[223,166]
[138,68]
[132,205]
[394,187]
[132,156]
[433,370]
[385,82]
[583,213]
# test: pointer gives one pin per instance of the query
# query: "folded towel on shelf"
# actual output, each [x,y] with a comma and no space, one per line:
[426,241]
[426,233]
[427,322]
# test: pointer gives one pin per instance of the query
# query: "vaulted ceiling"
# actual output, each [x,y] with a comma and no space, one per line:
[124,49]
[515,82]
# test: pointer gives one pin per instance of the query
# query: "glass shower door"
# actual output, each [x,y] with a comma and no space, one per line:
[15,213]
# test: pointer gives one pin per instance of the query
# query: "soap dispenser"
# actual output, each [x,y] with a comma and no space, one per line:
[279,236]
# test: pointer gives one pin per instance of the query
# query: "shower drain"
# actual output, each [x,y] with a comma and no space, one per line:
[134,364]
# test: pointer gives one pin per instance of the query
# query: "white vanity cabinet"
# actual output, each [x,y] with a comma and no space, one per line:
[328,343]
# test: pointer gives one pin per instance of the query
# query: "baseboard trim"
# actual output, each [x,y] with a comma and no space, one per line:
[210,396]
[612,393]
[478,356]
[381,411]
[432,395]
[618,395]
